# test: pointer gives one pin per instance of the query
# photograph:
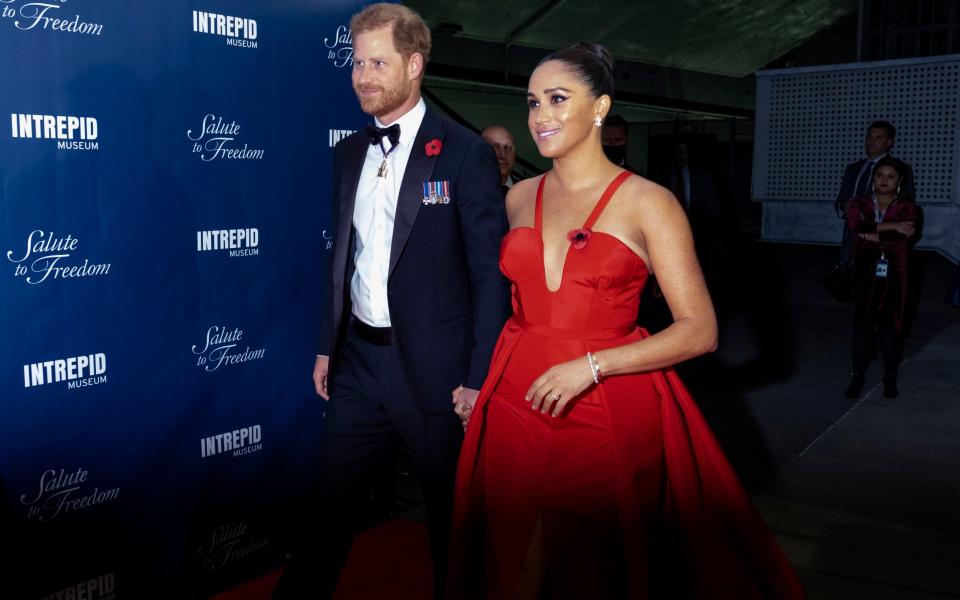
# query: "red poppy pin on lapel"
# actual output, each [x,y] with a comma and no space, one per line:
[434,147]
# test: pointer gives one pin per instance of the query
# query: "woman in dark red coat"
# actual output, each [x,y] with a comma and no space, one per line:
[884,225]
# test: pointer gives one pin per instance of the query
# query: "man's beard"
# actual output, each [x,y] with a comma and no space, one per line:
[388,101]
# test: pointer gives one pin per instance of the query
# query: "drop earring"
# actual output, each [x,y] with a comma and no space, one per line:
[598,122]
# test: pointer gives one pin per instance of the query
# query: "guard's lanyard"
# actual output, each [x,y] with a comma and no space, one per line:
[878,218]
[877,215]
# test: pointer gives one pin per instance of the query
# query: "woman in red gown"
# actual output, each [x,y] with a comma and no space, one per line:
[587,471]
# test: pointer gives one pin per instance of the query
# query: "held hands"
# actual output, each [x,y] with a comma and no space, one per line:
[464,399]
[552,391]
[320,368]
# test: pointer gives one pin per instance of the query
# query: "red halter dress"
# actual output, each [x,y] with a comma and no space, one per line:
[625,495]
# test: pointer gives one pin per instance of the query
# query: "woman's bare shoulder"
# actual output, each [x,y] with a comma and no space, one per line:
[521,199]
[647,199]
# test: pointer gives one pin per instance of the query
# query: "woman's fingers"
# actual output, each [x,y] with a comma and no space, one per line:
[549,400]
[559,406]
[537,391]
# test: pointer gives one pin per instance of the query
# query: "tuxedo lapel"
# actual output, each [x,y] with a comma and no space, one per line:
[349,181]
[419,169]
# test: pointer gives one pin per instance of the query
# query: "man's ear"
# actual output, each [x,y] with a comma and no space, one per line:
[415,66]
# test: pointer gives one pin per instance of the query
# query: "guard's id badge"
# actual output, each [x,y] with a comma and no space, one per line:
[882,268]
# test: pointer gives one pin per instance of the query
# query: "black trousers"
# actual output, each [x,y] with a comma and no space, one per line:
[866,340]
[846,244]
[371,409]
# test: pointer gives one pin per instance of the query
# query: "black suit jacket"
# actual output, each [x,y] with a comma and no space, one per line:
[704,209]
[850,180]
[447,297]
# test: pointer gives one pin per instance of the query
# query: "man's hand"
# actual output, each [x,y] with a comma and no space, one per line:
[841,209]
[464,399]
[320,376]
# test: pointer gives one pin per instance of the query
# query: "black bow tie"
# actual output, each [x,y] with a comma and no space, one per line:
[376,134]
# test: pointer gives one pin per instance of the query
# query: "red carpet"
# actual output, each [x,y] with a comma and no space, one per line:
[389,561]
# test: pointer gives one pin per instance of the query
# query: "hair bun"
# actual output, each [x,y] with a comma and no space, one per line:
[600,52]
[592,63]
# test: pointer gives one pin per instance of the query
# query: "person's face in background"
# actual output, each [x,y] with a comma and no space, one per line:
[886,180]
[614,140]
[382,79]
[501,141]
[877,142]
[681,156]
[613,135]
[562,110]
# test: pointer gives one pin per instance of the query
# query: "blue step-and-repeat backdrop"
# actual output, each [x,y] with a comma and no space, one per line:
[164,194]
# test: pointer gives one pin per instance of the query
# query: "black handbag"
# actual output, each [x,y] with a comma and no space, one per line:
[838,282]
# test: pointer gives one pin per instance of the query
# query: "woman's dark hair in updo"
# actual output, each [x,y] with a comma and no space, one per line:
[591,62]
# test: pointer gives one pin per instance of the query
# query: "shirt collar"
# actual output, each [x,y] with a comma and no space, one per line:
[874,160]
[409,123]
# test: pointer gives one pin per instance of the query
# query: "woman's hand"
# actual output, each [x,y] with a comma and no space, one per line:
[904,228]
[552,391]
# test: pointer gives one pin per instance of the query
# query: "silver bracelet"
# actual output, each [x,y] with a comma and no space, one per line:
[594,366]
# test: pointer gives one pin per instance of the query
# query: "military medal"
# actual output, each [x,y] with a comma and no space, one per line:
[436,192]
[382,171]
[376,135]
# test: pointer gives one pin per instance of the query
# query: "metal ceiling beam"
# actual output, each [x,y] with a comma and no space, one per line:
[538,16]
[654,86]
[534,19]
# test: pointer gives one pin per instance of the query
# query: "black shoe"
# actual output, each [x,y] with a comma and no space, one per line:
[856,385]
[890,386]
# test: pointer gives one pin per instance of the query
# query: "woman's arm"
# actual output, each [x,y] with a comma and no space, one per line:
[856,221]
[666,234]
[663,230]
[901,226]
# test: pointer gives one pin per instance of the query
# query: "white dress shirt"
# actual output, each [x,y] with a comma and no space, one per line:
[373,217]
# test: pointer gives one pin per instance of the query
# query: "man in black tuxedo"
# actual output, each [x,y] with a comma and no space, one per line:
[415,298]
[697,192]
[858,177]
[615,137]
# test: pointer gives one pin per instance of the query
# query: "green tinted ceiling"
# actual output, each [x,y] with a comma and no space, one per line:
[728,37]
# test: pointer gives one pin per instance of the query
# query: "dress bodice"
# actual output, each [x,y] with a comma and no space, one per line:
[600,282]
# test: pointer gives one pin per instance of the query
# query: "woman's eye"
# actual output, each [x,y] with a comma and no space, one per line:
[557,99]
[532,104]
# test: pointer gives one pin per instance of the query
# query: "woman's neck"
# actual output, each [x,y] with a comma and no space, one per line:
[582,167]
[885,199]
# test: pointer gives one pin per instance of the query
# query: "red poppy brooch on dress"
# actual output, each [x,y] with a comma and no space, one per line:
[434,147]
[579,237]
